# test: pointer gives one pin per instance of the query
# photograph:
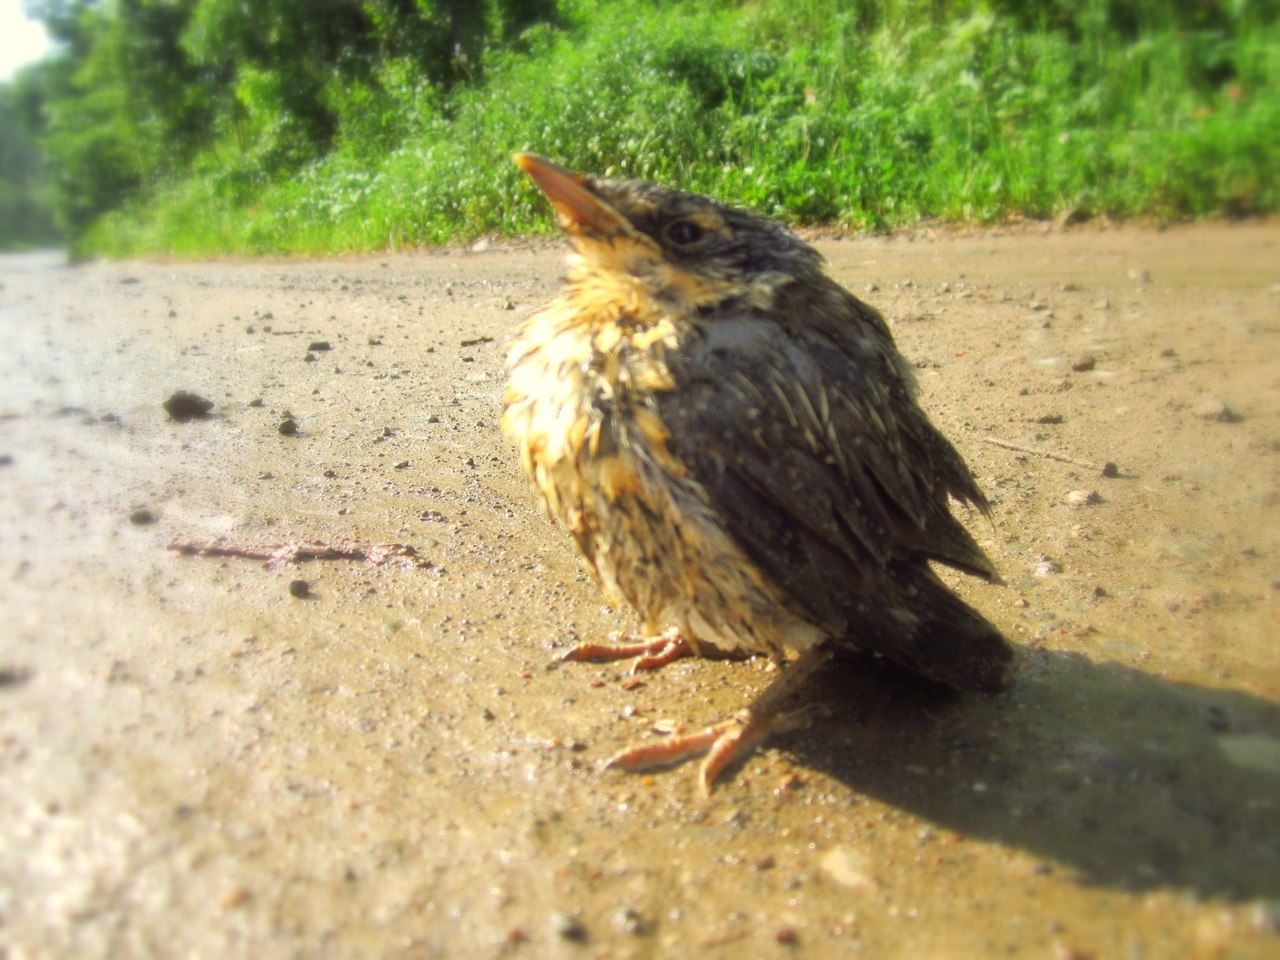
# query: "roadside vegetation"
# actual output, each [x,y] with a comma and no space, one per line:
[26,203]
[315,126]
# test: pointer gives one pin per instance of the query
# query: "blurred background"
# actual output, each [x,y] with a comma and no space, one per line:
[205,126]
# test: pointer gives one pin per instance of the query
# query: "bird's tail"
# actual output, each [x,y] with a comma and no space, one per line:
[944,638]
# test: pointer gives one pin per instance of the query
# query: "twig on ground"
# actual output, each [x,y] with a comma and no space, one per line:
[285,554]
[1008,445]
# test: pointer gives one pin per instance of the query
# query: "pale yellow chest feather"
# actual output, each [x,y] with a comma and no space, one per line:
[576,403]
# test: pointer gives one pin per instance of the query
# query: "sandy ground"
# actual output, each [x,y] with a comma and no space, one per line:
[196,762]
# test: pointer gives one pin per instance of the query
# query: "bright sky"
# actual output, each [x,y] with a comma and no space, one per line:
[21,40]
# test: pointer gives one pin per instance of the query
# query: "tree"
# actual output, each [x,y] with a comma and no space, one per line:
[26,210]
[252,91]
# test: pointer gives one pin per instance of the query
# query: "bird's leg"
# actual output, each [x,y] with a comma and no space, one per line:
[725,742]
[649,654]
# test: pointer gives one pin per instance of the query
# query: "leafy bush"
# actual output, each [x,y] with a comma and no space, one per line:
[873,114]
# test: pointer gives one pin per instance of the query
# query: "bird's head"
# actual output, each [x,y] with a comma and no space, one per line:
[665,252]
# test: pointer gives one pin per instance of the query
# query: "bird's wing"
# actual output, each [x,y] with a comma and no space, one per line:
[819,462]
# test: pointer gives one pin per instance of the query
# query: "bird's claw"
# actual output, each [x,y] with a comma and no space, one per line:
[733,739]
[722,743]
[649,654]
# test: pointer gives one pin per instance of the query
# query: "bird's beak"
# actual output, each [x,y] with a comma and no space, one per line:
[580,210]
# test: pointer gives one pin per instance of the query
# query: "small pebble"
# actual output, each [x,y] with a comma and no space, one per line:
[1110,470]
[1138,275]
[141,517]
[183,405]
[288,427]
[1084,363]
[630,920]
[1216,719]
[299,589]
[1211,408]
[1046,568]
[235,898]
[11,676]
[848,867]
[319,346]
[1251,751]
[1063,952]
[1082,498]
[569,928]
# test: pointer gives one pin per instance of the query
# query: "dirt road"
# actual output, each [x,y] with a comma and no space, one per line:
[200,759]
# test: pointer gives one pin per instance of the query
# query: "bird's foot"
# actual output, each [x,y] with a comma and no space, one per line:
[649,654]
[724,743]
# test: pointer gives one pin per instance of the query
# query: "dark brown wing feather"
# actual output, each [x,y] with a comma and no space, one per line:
[835,483]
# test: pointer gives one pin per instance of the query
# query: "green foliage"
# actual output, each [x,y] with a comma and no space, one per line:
[26,204]
[344,125]
[127,110]
[154,97]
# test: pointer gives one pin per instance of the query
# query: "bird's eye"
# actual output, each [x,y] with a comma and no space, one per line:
[683,233]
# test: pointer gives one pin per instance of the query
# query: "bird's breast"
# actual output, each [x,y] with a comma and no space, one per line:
[579,405]
[582,405]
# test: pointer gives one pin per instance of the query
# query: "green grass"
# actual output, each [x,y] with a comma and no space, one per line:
[800,111]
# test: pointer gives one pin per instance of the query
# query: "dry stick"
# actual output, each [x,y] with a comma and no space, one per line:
[1043,453]
[279,555]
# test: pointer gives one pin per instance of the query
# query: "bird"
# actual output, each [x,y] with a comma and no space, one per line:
[734,443]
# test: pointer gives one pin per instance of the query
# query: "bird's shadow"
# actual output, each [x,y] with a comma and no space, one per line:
[1129,780]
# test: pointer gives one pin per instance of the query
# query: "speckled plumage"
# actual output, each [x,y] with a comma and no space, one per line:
[733,440]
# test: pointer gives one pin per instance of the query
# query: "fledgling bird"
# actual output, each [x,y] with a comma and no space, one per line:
[733,441]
